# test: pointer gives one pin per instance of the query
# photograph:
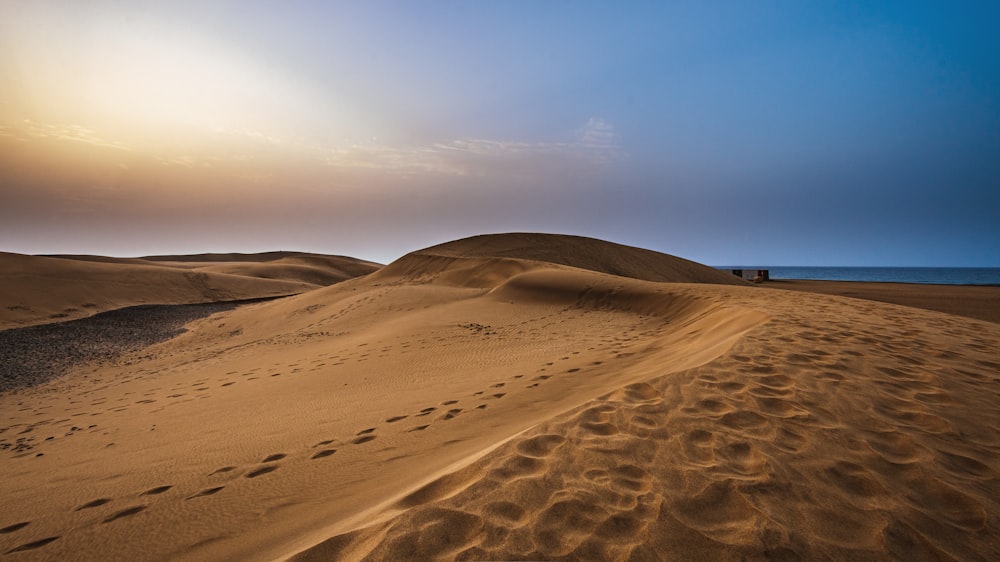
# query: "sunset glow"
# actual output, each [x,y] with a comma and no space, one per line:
[311,125]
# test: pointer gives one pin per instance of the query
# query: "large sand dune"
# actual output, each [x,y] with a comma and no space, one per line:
[511,403]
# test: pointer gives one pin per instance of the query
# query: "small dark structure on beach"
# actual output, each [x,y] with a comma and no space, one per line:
[755,275]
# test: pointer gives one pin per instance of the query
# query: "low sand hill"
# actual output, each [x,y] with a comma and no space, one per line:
[42,289]
[536,412]
[313,269]
[499,255]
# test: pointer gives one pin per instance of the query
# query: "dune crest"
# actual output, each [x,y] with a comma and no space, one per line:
[532,249]
[45,289]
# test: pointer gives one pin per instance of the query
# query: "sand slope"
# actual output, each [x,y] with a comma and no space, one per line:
[37,289]
[489,407]
[847,432]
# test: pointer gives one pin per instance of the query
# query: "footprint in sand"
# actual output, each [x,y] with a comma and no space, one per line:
[223,469]
[395,419]
[540,446]
[14,527]
[261,471]
[419,428]
[274,457]
[207,492]
[156,491]
[125,513]
[93,503]
[363,439]
[365,431]
[449,402]
[323,453]
[451,414]
[426,411]
[498,385]
[32,545]
[322,443]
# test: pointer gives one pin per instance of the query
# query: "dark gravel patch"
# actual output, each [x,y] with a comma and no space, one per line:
[36,354]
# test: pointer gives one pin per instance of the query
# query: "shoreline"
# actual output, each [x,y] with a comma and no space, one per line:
[981,302]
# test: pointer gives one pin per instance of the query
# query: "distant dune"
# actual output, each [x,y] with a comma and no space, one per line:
[313,269]
[522,251]
[40,289]
[520,396]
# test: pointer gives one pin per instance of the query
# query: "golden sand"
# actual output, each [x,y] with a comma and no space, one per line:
[479,401]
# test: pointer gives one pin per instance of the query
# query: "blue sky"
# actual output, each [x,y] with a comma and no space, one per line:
[771,133]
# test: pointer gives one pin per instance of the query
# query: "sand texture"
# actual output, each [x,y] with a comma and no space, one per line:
[40,289]
[981,302]
[491,406]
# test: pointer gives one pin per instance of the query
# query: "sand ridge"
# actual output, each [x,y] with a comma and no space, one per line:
[44,289]
[497,408]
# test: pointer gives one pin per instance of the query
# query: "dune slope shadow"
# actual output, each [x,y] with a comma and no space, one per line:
[33,355]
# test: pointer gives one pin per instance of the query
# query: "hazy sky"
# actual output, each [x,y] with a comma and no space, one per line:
[757,133]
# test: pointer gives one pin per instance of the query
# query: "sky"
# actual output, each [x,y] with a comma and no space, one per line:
[729,133]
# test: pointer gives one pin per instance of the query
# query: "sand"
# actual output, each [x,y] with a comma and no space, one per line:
[492,406]
[45,289]
[981,302]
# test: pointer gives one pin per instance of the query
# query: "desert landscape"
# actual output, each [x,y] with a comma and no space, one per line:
[500,397]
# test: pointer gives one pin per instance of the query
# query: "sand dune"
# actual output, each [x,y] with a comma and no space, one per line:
[573,251]
[312,269]
[462,404]
[848,433]
[37,289]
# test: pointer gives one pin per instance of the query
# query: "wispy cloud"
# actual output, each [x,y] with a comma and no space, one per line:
[59,131]
[599,139]
[184,161]
[249,134]
[595,144]
[264,156]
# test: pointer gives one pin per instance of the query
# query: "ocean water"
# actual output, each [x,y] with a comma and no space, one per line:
[936,275]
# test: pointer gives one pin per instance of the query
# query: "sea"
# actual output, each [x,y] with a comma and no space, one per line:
[932,275]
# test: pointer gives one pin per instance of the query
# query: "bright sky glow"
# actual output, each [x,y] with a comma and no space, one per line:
[772,133]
